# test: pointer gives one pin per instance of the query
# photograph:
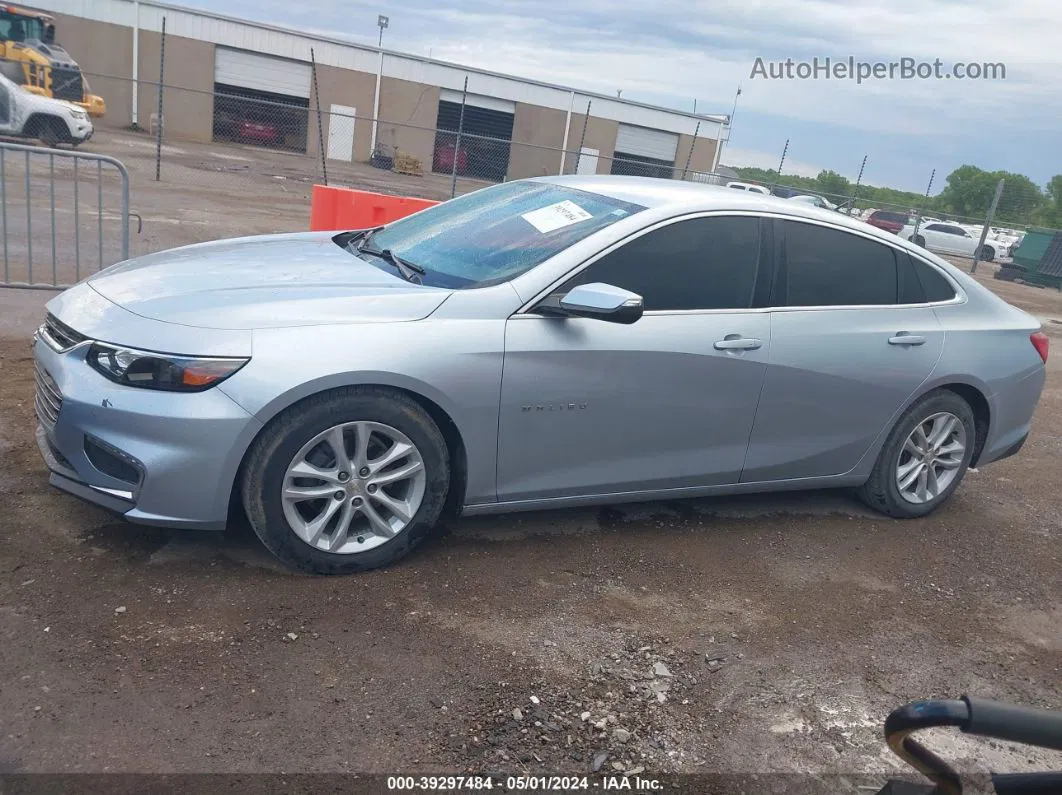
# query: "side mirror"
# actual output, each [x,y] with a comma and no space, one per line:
[603,302]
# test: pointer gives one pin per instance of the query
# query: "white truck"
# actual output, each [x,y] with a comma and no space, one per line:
[27,115]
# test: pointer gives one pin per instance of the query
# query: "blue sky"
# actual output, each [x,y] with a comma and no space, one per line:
[670,52]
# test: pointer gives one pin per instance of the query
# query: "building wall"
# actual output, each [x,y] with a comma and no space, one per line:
[105,54]
[537,137]
[408,113]
[703,155]
[600,134]
[187,95]
[409,98]
[343,87]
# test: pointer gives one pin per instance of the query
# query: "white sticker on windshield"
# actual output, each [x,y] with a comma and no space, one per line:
[556,216]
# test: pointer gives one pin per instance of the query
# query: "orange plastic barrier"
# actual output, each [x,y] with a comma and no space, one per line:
[337,209]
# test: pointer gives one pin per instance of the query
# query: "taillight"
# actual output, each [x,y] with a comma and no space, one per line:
[1042,343]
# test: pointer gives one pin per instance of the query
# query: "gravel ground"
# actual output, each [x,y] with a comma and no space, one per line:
[760,634]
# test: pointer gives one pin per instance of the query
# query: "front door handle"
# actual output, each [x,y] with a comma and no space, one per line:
[735,342]
[903,338]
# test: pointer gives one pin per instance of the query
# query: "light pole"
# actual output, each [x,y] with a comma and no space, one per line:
[721,145]
[381,22]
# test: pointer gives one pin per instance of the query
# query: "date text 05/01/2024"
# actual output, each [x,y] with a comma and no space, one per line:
[521,783]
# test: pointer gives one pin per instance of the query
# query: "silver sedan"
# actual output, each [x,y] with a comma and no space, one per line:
[537,344]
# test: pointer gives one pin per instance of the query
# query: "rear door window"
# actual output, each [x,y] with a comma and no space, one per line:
[832,267]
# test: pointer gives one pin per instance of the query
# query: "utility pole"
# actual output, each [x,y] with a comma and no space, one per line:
[988,223]
[855,188]
[785,149]
[918,215]
[382,23]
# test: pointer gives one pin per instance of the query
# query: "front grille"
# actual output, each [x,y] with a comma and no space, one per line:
[66,84]
[61,336]
[48,400]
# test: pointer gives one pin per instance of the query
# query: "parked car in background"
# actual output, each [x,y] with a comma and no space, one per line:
[260,131]
[536,344]
[750,187]
[814,201]
[889,220]
[445,155]
[949,238]
[27,115]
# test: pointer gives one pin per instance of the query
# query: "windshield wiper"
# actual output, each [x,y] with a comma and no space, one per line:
[410,271]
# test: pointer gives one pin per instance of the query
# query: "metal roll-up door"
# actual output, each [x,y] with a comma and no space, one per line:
[262,73]
[644,142]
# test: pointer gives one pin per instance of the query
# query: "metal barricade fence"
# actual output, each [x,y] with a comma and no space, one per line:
[63,215]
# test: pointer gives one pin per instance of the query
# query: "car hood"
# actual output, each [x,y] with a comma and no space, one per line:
[267,281]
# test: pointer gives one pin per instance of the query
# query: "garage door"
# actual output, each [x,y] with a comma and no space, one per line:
[644,142]
[262,73]
[487,127]
[477,101]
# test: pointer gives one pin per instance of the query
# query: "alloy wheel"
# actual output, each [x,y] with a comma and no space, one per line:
[931,458]
[353,487]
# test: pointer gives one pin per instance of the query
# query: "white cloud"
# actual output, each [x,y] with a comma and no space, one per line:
[691,48]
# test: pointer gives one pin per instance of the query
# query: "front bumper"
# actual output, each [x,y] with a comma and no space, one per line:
[81,131]
[158,458]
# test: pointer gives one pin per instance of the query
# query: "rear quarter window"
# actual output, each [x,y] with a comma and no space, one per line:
[919,282]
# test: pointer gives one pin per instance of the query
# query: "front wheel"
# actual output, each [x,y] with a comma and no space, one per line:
[918,240]
[924,459]
[347,481]
[51,133]
[987,253]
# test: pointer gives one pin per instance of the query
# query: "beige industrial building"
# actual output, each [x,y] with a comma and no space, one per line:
[226,77]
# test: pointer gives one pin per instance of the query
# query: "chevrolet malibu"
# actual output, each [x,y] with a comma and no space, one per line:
[537,344]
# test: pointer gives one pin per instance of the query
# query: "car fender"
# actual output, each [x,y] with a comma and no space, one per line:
[934,381]
[354,378]
[291,397]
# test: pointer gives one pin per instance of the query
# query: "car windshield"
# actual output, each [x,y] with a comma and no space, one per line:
[495,234]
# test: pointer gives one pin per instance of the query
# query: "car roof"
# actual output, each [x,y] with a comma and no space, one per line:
[694,197]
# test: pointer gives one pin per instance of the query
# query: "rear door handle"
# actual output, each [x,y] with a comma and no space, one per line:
[735,342]
[903,338]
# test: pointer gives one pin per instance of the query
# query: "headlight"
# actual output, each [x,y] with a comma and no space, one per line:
[78,114]
[164,371]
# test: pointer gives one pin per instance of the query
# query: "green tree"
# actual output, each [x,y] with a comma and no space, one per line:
[833,183]
[969,191]
[1054,190]
[1021,199]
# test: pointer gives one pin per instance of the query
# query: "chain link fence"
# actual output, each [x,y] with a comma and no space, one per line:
[208,164]
[340,146]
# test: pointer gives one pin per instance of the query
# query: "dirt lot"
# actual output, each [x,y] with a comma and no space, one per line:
[204,192]
[789,625]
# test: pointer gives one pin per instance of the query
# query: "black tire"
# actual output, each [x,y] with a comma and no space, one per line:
[920,241]
[264,468]
[881,491]
[51,132]
[1010,274]
[987,253]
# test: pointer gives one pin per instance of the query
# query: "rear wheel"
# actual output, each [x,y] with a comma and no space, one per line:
[347,481]
[924,459]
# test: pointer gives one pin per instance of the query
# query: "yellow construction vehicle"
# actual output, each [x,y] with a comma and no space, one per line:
[27,37]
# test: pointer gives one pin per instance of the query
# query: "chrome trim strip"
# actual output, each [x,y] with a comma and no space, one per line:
[122,495]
